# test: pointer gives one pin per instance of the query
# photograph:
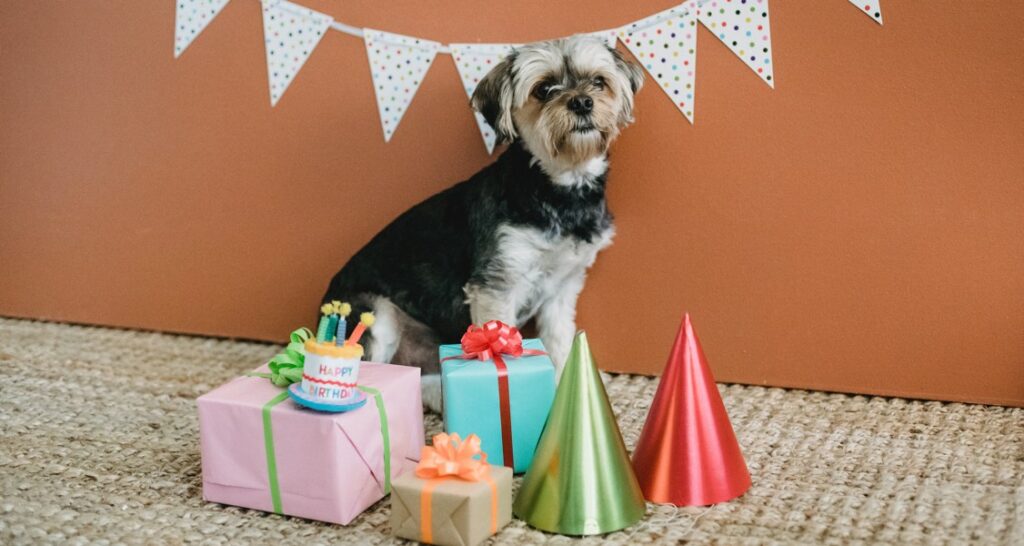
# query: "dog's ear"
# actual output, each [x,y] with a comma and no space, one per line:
[631,70]
[493,99]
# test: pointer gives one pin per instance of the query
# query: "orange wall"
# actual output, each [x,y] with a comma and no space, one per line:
[859,228]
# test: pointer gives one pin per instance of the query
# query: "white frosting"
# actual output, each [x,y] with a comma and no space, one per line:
[329,378]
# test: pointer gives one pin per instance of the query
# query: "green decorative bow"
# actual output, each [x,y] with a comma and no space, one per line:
[286,367]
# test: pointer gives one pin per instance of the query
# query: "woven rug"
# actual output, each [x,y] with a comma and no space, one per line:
[99,445]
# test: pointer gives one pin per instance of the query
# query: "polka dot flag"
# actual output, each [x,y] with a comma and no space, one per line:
[870,7]
[290,33]
[666,45]
[742,25]
[190,18]
[397,64]
[474,61]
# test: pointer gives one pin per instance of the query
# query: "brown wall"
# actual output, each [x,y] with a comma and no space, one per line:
[859,228]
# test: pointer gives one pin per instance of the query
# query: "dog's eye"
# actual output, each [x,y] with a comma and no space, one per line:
[599,82]
[542,91]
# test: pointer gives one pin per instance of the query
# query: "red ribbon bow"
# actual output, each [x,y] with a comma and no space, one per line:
[494,337]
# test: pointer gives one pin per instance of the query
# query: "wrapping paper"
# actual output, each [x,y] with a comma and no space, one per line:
[460,511]
[330,467]
[472,403]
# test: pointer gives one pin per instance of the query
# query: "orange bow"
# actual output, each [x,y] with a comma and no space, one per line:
[453,456]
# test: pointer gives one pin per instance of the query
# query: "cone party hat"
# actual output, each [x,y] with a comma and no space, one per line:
[687,454]
[580,481]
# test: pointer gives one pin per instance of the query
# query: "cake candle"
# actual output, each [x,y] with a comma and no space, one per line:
[342,309]
[321,329]
[332,327]
[365,321]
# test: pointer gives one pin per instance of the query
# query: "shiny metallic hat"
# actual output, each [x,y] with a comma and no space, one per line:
[687,454]
[580,481]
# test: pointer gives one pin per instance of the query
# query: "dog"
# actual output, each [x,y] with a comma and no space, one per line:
[514,242]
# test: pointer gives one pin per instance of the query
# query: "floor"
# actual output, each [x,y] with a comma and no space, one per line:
[99,445]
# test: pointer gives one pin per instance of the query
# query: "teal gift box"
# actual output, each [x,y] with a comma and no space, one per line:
[473,401]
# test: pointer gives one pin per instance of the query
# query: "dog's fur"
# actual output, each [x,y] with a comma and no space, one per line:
[512,243]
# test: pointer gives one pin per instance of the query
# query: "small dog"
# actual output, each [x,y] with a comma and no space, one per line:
[514,242]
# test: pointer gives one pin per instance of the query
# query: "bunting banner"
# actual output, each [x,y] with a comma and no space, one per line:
[667,49]
[397,64]
[871,8]
[290,33]
[190,18]
[744,28]
[665,44]
[473,62]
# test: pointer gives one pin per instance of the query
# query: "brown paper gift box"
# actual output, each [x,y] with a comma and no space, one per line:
[460,510]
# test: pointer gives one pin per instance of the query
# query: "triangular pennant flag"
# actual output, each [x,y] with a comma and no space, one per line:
[290,33]
[871,7]
[190,18]
[398,64]
[744,28]
[474,61]
[666,46]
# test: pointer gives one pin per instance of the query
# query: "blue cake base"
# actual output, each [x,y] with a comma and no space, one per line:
[301,398]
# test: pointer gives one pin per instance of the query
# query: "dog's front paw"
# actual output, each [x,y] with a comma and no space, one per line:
[432,399]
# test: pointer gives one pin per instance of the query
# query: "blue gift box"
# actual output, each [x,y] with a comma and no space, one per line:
[472,403]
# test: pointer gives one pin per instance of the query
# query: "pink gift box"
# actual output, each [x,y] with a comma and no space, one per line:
[330,466]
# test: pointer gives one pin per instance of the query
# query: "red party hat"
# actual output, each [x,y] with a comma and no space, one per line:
[687,454]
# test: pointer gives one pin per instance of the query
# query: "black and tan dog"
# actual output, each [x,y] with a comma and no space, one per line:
[513,242]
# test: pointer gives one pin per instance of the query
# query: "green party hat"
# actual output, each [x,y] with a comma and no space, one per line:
[581,481]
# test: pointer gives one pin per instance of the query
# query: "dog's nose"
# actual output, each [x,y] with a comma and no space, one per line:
[581,104]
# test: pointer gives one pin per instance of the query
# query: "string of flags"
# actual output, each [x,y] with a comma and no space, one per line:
[665,44]
[473,62]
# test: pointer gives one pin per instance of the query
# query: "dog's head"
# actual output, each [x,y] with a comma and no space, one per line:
[566,99]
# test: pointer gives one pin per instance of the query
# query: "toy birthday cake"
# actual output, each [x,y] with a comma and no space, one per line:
[330,374]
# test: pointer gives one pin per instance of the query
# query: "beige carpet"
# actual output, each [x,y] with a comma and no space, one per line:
[98,445]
